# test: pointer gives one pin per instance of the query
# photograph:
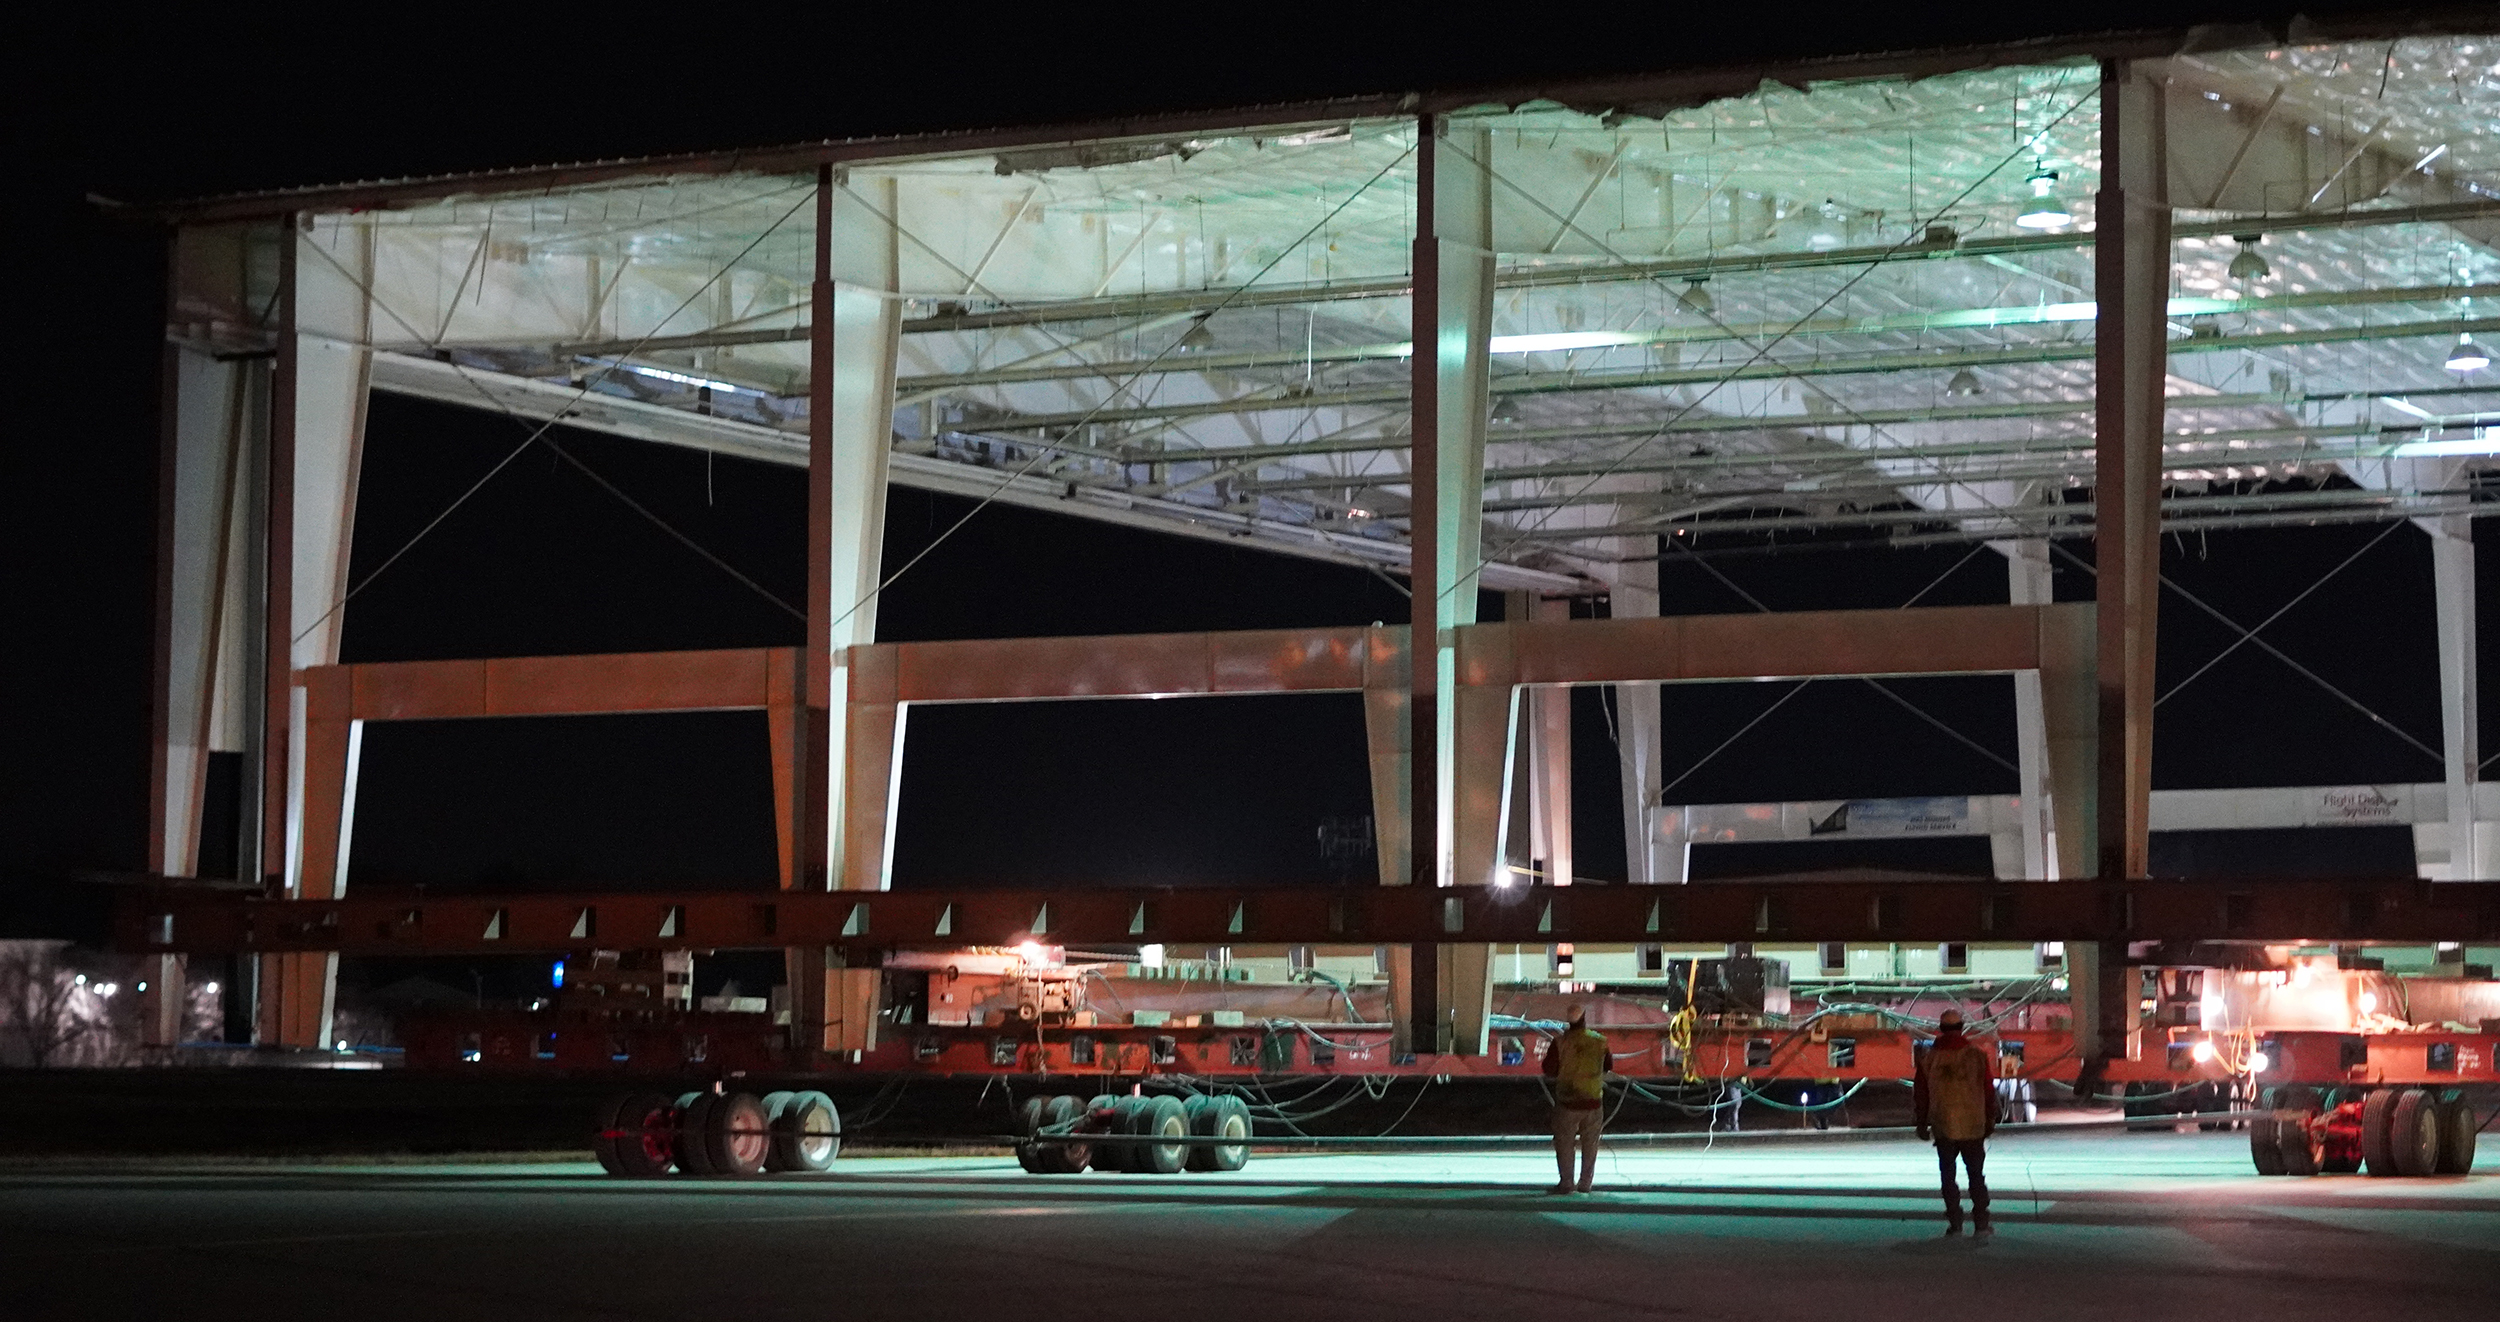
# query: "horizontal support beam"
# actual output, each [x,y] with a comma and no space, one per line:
[1763,369]
[527,397]
[2278,910]
[726,680]
[1958,319]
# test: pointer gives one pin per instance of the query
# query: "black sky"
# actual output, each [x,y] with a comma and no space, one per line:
[107,105]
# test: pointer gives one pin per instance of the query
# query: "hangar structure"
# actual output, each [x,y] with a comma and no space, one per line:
[1525,340]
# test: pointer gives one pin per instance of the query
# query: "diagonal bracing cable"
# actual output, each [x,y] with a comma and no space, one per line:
[536,433]
[2278,654]
[1763,350]
[1120,388]
[2279,613]
[1801,686]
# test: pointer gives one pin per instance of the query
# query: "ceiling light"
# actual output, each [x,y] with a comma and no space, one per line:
[2044,212]
[1554,340]
[1505,410]
[2467,356]
[2247,263]
[1197,338]
[1964,383]
[1696,300]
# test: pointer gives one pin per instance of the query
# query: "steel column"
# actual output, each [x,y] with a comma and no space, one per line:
[2028,584]
[1632,593]
[2452,568]
[851,747]
[1452,314]
[2131,280]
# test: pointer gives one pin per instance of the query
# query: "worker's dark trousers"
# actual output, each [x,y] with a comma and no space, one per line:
[1974,1155]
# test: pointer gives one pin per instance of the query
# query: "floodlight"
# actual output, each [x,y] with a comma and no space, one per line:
[2044,212]
[2467,356]
[2248,263]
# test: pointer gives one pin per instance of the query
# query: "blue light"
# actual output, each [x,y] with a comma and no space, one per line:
[559,974]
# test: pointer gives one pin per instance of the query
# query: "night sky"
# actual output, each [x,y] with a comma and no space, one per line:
[542,561]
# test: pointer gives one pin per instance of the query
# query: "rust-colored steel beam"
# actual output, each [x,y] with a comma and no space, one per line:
[727,680]
[2304,910]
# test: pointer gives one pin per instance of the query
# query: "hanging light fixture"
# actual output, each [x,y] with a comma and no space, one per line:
[2044,211]
[1504,410]
[2248,263]
[1197,339]
[1964,384]
[1696,300]
[2467,356]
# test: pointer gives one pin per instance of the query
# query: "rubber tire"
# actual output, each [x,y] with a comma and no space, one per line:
[2456,1136]
[1064,1158]
[2378,1151]
[2413,1131]
[1232,1156]
[2302,1154]
[602,1130]
[694,1114]
[2262,1150]
[1202,1111]
[1105,1156]
[738,1136]
[806,1132]
[1164,1117]
[1028,1123]
[1127,1117]
[648,1146]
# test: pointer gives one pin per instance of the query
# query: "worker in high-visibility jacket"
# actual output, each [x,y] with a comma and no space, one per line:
[1955,1099]
[1576,1062]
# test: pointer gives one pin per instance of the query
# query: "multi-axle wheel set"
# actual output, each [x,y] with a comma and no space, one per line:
[1063,1135]
[2386,1131]
[646,1135]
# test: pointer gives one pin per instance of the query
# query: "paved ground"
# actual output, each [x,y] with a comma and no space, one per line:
[2091,1225]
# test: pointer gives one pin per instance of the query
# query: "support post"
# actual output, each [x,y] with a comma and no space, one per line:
[849,747]
[1452,320]
[2028,583]
[2452,570]
[307,768]
[2131,274]
[1549,766]
[2131,282]
[1632,593]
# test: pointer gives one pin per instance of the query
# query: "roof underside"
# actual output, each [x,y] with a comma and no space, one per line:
[1801,308]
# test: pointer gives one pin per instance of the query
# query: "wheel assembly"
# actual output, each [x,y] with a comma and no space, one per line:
[1218,1117]
[2299,1135]
[2377,1152]
[637,1136]
[1128,1117]
[2413,1132]
[1162,1117]
[1062,1113]
[1232,1122]
[1028,1123]
[1106,1118]
[2456,1136]
[694,1119]
[805,1131]
[2263,1150]
[737,1138]
[1201,1110]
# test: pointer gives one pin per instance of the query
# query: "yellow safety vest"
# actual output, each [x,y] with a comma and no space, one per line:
[1960,1092]
[1581,1074]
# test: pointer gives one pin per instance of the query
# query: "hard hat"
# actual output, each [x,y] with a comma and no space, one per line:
[1949,1019]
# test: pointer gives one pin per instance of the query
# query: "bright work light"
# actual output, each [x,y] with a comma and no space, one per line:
[2044,212]
[2467,356]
